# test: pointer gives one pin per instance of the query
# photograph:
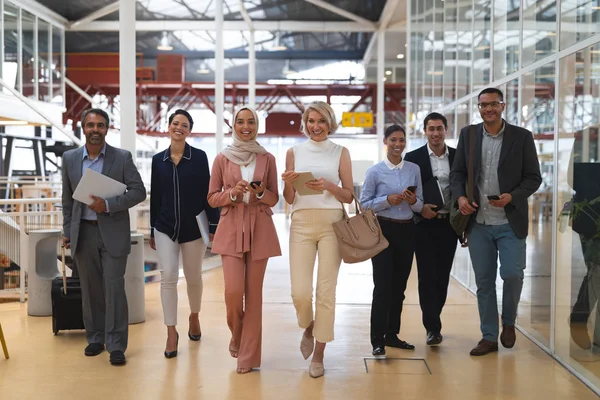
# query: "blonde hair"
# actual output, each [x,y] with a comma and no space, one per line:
[325,110]
[235,115]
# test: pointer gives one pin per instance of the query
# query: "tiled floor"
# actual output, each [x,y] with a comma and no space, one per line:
[54,367]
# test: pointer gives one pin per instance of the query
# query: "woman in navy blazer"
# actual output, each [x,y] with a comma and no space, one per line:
[179,186]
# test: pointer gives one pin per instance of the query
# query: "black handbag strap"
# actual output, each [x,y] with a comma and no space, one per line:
[471,164]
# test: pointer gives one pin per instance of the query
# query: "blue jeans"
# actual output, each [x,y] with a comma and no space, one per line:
[485,243]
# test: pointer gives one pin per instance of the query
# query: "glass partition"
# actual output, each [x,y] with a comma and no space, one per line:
[33,52]
[559,102]
[44,54]
[10,65]
[577,327]
[28,55]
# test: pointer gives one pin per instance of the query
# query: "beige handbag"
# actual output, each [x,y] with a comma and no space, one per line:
[360,237]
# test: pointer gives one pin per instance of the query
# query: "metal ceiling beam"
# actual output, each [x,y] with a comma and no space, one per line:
[341,12]
[102,12]
[201,25]
[44,13]
[384,21]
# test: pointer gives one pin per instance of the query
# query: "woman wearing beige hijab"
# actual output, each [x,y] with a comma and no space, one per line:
[244,184]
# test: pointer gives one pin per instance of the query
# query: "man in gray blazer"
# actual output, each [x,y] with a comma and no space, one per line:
[507,172]
[99,235]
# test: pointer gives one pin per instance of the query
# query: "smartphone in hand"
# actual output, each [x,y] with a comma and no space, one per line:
[255,184]
[412,189]
[493,197]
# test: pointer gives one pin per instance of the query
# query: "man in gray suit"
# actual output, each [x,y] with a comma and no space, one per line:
[99,235]
[507,172]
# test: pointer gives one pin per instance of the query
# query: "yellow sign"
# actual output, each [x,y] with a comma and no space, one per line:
[357,119]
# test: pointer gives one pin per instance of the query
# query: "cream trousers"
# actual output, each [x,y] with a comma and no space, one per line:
[192,254]
[311,233]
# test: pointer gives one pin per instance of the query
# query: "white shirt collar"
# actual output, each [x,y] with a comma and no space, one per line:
[391,166]
[432,152]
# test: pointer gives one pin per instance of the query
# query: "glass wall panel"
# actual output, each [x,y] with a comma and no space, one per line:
[539,30]
[28,21]
[577,326]
[464,48]
[579,20]
[57,80]
[450,59]
[511,98]
[43,60]
[482,44]
[10,65]
[537,91]
[506,38]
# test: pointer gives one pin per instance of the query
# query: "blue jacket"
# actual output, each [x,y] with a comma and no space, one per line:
[178,194]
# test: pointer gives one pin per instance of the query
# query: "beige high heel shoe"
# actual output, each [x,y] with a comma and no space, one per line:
[316,370]
[307,345]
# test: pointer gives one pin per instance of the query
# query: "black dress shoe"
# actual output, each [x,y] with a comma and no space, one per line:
[117,357]
[378,351]
[195,338]
[434,338]
[93,349]
[171,354]
[393,341]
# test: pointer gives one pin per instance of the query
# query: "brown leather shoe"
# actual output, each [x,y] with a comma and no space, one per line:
[484,347]
[508,336]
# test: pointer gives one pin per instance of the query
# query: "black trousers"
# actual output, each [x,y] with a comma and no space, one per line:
[435,249]
[391,269]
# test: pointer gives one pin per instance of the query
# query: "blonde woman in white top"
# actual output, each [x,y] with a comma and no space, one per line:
[311,229]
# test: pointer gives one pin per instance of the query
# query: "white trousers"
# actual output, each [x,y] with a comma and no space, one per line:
[192,254]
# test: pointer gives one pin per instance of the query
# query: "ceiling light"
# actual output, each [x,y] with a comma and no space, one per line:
[279,46]
[287,70]
[388,72]
[164,43]
[203,69]
[400,56]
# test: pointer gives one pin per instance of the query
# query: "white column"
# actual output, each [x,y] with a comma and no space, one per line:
[219,74]
[380,92]
[127,94]
[252,71]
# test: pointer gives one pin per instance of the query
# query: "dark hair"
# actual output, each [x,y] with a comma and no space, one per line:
[393,129]
[492,91]
[95,111]
[434,116]
[185,114]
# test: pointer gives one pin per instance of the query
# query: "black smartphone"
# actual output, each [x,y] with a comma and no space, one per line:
[255,184]
[412,189]
[493,197]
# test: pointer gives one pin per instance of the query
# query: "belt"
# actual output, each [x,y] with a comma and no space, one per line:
[397,221]
[442,216]
[90,221]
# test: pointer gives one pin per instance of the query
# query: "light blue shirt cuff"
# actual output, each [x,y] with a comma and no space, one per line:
[107,209]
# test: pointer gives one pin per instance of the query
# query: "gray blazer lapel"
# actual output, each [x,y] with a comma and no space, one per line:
[76,166]
[109,158]
[507,143]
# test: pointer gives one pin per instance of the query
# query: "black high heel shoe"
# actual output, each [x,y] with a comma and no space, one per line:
[195,338]
[171,354]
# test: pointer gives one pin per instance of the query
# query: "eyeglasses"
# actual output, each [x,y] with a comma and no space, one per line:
[493,104]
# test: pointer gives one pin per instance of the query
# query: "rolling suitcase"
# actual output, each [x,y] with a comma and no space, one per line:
[66,302]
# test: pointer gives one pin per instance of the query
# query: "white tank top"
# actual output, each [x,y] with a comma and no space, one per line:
[323,160]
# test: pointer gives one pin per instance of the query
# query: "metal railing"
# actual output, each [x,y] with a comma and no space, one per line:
[18,217]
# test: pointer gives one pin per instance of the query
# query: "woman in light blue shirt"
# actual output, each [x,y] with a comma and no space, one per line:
[392,188]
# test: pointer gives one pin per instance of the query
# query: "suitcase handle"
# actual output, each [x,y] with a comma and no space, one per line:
[64,274]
